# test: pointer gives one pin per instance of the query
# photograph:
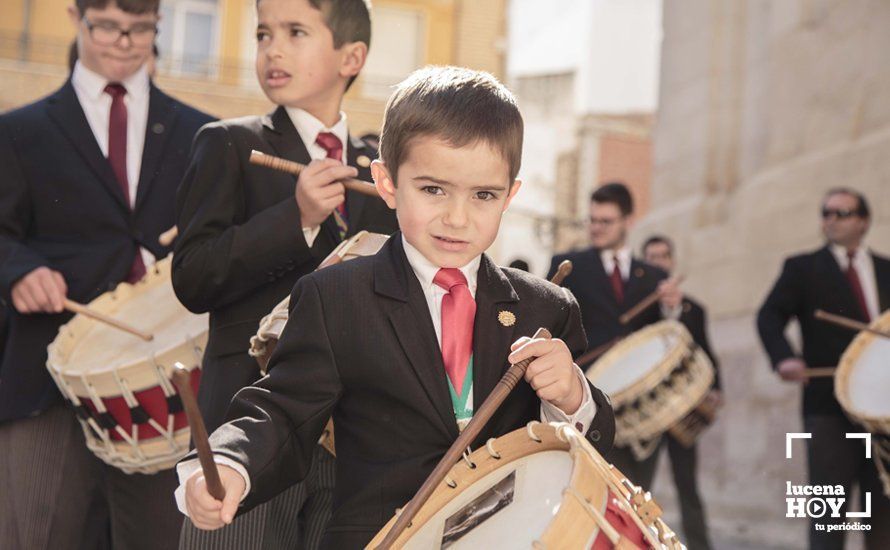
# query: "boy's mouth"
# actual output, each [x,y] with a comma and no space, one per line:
[449,243]
[277,77]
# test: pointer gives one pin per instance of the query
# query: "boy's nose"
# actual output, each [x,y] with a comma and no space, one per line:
[456,215]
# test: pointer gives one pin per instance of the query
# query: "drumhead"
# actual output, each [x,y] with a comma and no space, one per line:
[639,356]
[864,376]
[150,305]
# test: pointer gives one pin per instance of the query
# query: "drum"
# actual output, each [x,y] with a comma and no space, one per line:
[860,385]
[263,344]
[120,384]
[655,377]
[542,486]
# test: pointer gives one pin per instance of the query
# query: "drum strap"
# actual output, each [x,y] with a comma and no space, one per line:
[463,403]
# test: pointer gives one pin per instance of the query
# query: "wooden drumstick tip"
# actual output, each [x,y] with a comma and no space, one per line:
[563,271]
[167,237]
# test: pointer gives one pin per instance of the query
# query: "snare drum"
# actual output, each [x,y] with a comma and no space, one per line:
[655,377]
[120,384]
[542,486]
[860,385]
[263,344]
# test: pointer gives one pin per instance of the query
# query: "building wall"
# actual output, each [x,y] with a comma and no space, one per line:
[763,106]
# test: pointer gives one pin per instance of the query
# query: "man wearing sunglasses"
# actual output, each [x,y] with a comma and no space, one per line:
[843,278]
[90,175]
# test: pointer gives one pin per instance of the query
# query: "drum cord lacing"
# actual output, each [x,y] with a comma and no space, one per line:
[466,458]
[597,516]
[531,432]
[489,446]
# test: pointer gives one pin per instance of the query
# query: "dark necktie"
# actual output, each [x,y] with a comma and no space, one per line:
[117,157]
[856,285]
[334,149]
[617,281]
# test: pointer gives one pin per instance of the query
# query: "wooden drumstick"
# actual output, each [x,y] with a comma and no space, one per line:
[183,381]
[284,165]
[819,372]
[593,354]
[563,271]
[504,386]
[632,313]
[81,309]
[846,322]
[167,237]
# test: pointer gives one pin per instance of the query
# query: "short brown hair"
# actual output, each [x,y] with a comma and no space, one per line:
[129,6]
[460,106]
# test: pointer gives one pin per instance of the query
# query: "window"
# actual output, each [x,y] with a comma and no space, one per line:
[189,37]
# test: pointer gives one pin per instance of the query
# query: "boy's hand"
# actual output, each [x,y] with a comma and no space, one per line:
[205,511]
[40,291]
[552,374]
[318,191]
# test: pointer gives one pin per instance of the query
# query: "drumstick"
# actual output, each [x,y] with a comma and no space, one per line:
[846,322]
[505,385]
[819,372]
[596,352]
[630,314]
[167,237]
[183,382]
[284,165]
[563,271]
[81,309]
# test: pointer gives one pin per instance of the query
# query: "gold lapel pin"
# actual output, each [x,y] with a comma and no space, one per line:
[507,318]
[363,161]
[638,272]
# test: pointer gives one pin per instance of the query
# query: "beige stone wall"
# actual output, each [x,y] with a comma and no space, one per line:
[763,106]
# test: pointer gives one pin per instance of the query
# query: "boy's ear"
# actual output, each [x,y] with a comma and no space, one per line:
[75,17]
[513,190]
[354,56]
[386,188]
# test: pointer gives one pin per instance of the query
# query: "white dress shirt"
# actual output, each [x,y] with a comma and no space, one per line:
[309,127]
[624,257]
[865,269]
[96,104]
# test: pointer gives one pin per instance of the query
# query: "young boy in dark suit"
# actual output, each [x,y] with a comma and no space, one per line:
[89,179]
[248,233]
[438,318]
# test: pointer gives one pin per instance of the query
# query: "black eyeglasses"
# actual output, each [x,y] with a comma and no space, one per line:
[106,33]
[828,213]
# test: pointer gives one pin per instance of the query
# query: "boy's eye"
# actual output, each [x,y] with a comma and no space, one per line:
[432,190]
[296,31]
[262,35]
[486,195]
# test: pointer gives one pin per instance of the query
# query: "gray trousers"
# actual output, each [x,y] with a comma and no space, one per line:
[296,518]
[55,494]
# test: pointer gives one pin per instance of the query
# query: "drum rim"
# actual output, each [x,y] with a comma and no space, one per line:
[847,363]
[648,382]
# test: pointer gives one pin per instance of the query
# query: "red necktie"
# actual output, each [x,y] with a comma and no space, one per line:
[334,149]
[117,157]
[856,285]
[617,281]
[458,315]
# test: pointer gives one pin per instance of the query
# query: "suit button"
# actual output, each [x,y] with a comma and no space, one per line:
[579,426]
[594,435]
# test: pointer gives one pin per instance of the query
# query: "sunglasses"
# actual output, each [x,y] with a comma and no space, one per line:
[828,213]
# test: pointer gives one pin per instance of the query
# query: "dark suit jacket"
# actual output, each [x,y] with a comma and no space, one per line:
[809,282]
[592,286]
[383,380]
[695,320]
[241,247]
[61,207]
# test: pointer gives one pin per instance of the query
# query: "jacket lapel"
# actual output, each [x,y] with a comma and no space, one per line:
[413,327]
[491,337]
[66,112]
[161,120]
[882,281]
[634,289]
[355,202]
[837,282]
[600,279]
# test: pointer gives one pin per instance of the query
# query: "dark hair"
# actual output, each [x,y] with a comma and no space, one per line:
[616,193]
[519,263]
[863,209]
[460,106]
[658,239]
[72,54]
[129,6]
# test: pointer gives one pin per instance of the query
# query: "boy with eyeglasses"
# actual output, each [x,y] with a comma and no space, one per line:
[90,174]
[842,278]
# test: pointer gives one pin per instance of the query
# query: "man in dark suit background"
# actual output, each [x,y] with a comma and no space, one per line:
[658,250]
[90,174]
[607,281]
[845,279]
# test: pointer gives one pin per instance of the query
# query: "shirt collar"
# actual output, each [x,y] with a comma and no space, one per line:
[623,253]
[840,253]
[309,127]
[426,270]
[92,84]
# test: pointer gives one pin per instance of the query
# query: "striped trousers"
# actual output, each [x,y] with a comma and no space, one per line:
[295,519]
